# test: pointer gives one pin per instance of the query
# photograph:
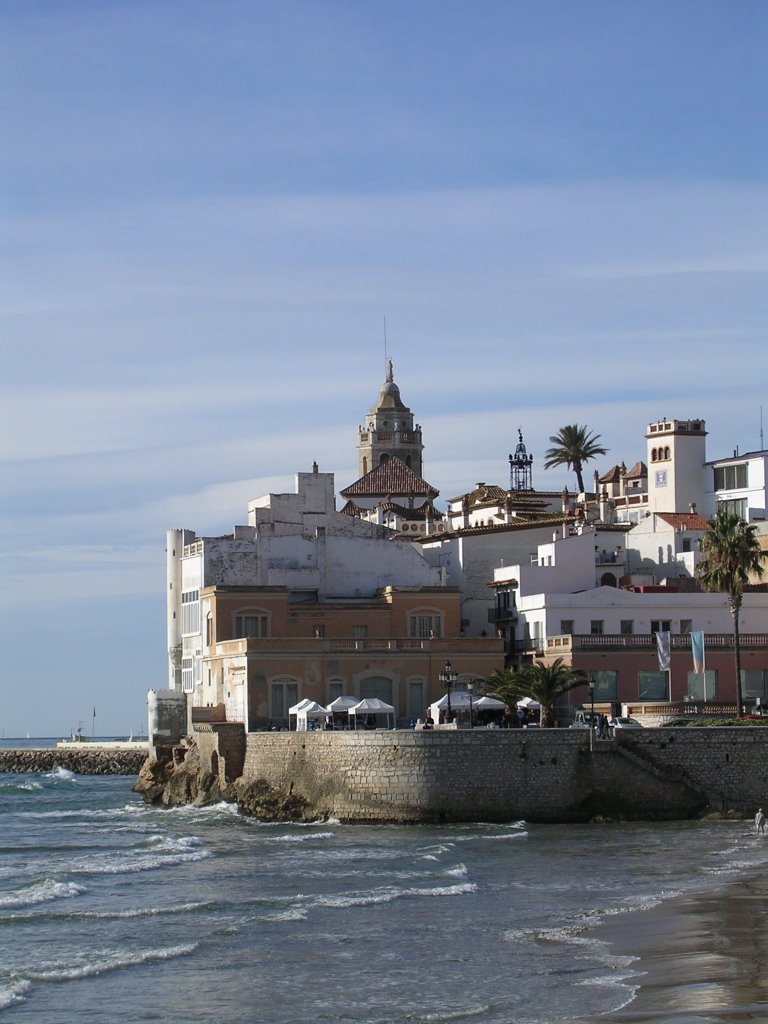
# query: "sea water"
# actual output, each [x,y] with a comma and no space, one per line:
[114,911]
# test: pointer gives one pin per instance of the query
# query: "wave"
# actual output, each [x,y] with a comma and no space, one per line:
[19,787]
[91,964]
[132,863]
[298,838]
[41,892]
[62,774]
[13,992]
[446,1015]
[386,895]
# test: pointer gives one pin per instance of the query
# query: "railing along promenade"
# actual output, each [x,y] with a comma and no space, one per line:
[641,641]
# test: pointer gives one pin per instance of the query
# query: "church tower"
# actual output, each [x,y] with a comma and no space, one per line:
[389,431]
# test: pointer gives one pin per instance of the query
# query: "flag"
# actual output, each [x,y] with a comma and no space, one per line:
[697,650]
[664,650]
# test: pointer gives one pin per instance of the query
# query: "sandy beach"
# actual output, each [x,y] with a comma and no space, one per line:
[700,959]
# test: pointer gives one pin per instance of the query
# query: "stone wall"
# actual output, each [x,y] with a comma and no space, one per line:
[505,775]
[82,762]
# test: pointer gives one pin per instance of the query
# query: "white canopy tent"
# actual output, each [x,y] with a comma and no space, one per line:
[339,711]
[370,709]
[529,704]
[489,704]
[306,711]
[459,702]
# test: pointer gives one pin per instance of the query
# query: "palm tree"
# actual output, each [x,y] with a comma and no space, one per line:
[545,684]
[573,446]
[731,553]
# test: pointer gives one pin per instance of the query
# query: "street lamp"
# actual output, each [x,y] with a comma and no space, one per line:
[470,688]
[591,687]
[448,677]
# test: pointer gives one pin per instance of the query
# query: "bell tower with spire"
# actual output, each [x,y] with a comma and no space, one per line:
[389,431]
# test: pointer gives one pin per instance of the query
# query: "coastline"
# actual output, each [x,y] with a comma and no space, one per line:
[700,958]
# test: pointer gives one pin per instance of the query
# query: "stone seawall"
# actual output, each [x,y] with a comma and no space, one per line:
[547,775]
[536,775]
[93,761]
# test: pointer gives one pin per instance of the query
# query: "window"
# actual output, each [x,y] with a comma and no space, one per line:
[753,683]
[729,478]
[627,627]
[566,626]
[318,632]
[284,693]
[187,677]
[606,685]
[251,625]
[596,627]
[661,625]
[702,685]
[360,632]
[190,612]
[686,625]
[335,689]
[425,627]
[736,506]
[209,630]
[652,686]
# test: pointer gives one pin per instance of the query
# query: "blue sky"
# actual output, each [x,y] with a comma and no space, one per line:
[209,209]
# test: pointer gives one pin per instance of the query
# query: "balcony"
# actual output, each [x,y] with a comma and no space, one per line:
[647,642]
[498,615]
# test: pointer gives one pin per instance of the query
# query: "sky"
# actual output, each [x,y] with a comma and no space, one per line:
[218,218]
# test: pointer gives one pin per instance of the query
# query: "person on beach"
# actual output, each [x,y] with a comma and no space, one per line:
[760,822]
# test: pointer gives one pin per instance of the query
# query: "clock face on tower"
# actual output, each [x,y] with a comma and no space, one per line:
[661,478]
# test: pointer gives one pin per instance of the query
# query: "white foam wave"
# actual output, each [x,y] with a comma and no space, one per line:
[508,835]
[40,892]
[298,838]
[19,787]
[12,993]
[460,871]
[445,1015]
[64,774]
[108,960]
[136,862]
[115,915]
[386,895]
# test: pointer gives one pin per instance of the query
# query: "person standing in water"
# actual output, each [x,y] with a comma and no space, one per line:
[760,822]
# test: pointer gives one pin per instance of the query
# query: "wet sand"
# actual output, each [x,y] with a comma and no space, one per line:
[701,959]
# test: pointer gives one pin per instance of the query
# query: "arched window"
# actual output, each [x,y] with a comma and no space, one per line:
[425,624]
[251,622]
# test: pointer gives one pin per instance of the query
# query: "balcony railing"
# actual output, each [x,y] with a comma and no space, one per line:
[647,641]
[502,614]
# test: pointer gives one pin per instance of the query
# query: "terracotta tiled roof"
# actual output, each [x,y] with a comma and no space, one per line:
[638,471]
[390,478]
[613,475]
[684,520]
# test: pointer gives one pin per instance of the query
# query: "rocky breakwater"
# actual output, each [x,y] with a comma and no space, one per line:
[177,777]
[83,760]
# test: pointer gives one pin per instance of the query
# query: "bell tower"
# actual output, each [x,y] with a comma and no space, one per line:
[389,431]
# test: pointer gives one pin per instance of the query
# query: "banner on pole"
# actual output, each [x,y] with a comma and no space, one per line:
[697,650]
[663,647]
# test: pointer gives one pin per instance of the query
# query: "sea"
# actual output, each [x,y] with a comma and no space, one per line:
[111,910]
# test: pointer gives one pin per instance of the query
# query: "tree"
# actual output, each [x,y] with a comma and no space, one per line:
[731,553]
[572,446]
[545,684]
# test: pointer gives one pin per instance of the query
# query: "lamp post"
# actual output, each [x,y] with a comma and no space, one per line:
[470,688]
[591,686]
[448,677]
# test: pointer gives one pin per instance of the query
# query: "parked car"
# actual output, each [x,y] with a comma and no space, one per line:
[625,723]
[584,720]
